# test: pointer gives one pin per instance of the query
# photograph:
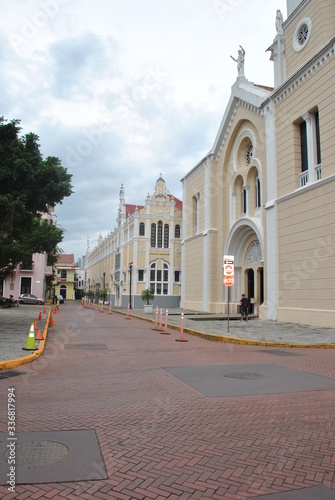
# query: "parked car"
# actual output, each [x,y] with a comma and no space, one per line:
[59,298]
[29,298]
[4,302]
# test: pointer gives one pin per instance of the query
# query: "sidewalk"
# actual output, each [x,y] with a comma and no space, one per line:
[15,324]
[254,332]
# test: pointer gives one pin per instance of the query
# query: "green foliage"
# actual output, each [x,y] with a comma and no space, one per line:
[29,186]
[147,295]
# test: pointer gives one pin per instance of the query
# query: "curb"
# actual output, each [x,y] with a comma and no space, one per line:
[233,340]
[13,363]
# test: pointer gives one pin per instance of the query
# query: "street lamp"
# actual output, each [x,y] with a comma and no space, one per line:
[130,269]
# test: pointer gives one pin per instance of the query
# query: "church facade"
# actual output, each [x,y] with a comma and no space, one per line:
[264,193]
[143,251]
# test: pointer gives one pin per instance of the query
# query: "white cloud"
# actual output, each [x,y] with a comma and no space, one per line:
[122,91]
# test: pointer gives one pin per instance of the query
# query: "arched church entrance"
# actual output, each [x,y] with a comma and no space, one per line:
[245,243]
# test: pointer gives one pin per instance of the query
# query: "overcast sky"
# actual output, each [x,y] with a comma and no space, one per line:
[123,90]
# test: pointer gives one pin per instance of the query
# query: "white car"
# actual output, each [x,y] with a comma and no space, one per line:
[29,298]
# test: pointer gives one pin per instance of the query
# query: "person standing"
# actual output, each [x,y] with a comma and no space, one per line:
[244,303]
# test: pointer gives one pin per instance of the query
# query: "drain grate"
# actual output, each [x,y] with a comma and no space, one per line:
[244,375]
[5,375]
[93,347]
[33,454]
[276,352]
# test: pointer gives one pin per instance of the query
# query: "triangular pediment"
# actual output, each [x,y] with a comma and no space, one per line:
[243,93]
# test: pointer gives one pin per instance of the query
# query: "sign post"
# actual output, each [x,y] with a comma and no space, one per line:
[228,276]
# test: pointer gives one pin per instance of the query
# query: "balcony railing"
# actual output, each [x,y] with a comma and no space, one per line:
[317,172]
[303,178]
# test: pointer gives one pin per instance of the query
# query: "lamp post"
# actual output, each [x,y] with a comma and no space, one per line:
[130,269]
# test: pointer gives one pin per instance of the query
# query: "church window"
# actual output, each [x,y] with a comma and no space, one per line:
[310,145]
[159,278]
[177,231]
[258,191]
[142,229]
[166,236]
[248,153]
[153,235]
[302,34]
[159,234]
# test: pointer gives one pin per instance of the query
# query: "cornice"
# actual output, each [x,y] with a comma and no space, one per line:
[295,13]
[304,73]
[305,189]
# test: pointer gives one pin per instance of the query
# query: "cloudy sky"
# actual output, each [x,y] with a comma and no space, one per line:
[123,90]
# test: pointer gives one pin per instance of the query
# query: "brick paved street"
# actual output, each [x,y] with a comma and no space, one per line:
[161,437]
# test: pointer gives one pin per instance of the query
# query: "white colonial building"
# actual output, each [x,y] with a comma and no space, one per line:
[143,251]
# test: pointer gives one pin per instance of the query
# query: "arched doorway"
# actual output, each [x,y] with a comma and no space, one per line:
[62,291]
[244,242]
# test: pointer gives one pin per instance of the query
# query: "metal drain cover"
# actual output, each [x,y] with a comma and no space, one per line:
[89,347]
[5,375]
[33,454]
[244,375]
[276,352]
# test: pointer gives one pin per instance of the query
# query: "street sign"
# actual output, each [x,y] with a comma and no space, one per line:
[228,265]
[228,280]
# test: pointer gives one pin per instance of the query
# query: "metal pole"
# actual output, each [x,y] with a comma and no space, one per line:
[228,307]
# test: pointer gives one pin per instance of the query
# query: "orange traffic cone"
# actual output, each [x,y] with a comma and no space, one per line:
[51,321]
[44,311]
[39,335]
[35,325]
[40,316]
[55,310]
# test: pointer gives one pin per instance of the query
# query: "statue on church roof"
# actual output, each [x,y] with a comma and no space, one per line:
[240,61]
[279,23]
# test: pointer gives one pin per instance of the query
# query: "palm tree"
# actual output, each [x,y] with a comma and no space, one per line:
[147,295]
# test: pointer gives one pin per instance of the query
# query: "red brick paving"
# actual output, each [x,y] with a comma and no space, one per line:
[161,439]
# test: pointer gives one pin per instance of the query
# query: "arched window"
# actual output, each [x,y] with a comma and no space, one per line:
[166,236]
[160,234]
[159,278]
[142,229]
[153,235]
[258,191]
[177,231]
[63,274]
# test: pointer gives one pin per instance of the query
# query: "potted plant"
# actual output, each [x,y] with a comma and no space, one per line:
[147,295]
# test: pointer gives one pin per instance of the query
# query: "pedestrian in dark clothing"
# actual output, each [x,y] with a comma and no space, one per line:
[244,303]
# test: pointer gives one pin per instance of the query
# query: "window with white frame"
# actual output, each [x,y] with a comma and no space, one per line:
[310,148]
[159,278]
[159,235]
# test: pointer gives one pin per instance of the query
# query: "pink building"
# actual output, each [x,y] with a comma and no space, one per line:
[30,276]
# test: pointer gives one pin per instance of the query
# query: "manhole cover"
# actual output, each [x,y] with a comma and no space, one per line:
[93,347]
[33,454]
[244,375]
[275,352]
[6,375]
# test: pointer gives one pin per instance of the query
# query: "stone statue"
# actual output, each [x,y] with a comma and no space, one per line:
[240,61]
[279,23]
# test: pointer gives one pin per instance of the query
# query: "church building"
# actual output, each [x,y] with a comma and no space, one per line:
[264,194]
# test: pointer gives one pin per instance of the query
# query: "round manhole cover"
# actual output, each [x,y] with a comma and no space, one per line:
[244,375]
[33,454]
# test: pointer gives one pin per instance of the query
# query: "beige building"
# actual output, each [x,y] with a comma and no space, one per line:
[264,194]
[143,251]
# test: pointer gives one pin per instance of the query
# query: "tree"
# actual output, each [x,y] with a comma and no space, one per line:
[147,295]
[29,187]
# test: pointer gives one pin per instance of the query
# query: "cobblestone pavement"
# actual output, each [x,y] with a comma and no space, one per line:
[160,435]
